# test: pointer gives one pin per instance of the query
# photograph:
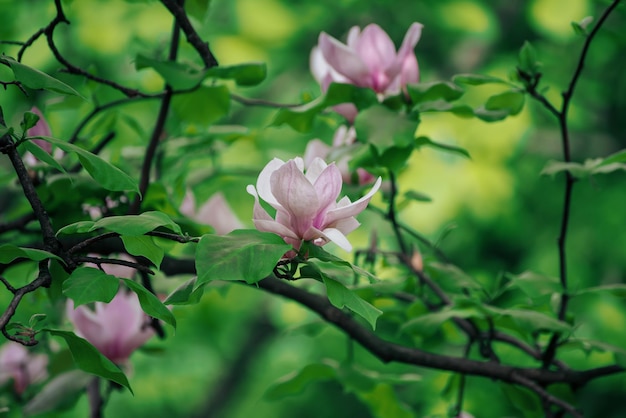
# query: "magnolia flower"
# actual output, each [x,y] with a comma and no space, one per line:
[215,212]
[18,364]
[116,328]
[343,140]
[369,59]
[41,128]
[306,203]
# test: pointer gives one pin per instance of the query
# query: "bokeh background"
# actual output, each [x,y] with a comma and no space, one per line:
[491,214]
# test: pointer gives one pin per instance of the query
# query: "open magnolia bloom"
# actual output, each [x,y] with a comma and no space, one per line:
[18,364]
[116,328]
[306,203]
[368,59]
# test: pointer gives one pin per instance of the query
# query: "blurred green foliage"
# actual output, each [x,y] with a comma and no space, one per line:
[491,214]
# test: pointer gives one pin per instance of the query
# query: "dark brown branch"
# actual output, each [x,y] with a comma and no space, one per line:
[157,132]
[99,261]
[550,352]
[177,10]
[261,102]
[72,69]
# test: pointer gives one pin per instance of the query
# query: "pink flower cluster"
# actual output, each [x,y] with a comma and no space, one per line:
[306,203]
[369,59]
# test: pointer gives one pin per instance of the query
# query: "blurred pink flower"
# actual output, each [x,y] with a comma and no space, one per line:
[340,151]
[41,128]
[18,364]
[215,212]
[369,59]
[116,328]
[306,203]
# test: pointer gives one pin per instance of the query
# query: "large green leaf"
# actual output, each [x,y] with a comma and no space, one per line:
[435,90]
[295,382]
[134,225]
[144,246]
[477,79]
[180,76]
[202,106]
[35,79]
[88,284]
[384,128]
[510,101]
[89,359]
[247,74]
[244,254]
[106,174]
[301,117]
[185,294]
[10,252]
[341,296]
[42,155]
[150,303]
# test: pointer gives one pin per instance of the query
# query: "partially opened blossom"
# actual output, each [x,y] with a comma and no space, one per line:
[116,328]
[19,365]
[41,128]
[340,151]
[215,212]
[306,203]
[368,59]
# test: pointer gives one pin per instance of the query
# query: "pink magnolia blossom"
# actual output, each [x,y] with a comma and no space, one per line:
[41,128]
[369,59]
[341,149]
[116,328]
[306,203]
[18,364]
[215,212]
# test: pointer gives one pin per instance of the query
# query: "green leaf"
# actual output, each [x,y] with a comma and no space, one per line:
[301,118]
[490,115]
[429,323]
[532,320]
[575,169]
[536,285]
[450,277]
[61,392]
[135,225]
[384,128]
[79,227]
[616,289]
[425,141]
[180,76]
[203,106]
[528,59]
[384,403]
[88,284]
[341,296]
[35,79]
[42,155]
[523,400]
[618,157]
[185,294]
[248,74]
[477,79]
[435,90]
[90,360]
[243,254]
[460,110]
[150,303]
[144,246]
[315,251]
[197,8]
[510,101]
[103,172]
[417,196]
[295,382]
[29,120]
[10,252]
